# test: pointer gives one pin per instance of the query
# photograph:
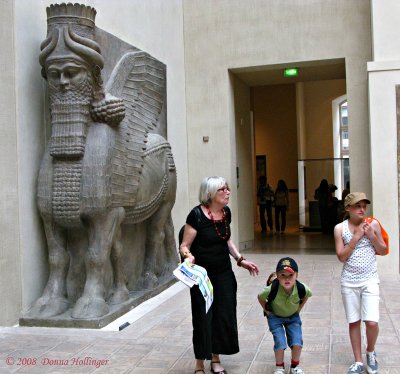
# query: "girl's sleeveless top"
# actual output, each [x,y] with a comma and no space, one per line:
[361,267]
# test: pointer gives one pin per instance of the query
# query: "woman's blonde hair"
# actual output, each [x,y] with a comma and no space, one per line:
[209,187]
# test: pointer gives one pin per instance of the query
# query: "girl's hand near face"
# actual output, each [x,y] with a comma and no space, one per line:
[368,229]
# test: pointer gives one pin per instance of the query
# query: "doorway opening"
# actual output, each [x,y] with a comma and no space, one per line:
[293,132]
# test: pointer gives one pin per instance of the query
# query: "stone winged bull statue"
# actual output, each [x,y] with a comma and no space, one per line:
[105,170]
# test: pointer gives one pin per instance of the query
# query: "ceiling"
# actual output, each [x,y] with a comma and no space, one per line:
[308,71]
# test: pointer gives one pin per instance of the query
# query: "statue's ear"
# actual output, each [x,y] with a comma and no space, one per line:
[43,72]
[97,75]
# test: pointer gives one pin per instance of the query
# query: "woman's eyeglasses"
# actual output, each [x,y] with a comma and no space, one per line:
[224,189]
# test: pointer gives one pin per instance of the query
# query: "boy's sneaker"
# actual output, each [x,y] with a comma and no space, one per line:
[296,370]
[356,368]
[372,363]
[279,370]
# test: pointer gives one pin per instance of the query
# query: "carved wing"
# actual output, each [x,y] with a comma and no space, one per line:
[140,80]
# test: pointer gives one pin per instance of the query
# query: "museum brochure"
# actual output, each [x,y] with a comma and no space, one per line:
[193,274]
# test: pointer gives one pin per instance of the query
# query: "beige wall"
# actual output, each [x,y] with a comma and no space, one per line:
[318,97]
[276,135]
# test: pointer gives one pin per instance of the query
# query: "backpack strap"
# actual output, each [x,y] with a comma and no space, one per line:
[272,294]
[197,212]
[301,289]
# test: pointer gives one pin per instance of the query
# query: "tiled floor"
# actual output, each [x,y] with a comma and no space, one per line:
[159,337]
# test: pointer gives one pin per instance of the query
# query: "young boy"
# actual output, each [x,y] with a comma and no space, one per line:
[357,241]
[283,314]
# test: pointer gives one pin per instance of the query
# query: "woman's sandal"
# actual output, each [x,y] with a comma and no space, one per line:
[217,372]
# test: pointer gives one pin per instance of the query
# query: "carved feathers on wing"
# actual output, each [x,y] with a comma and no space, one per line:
[140,81]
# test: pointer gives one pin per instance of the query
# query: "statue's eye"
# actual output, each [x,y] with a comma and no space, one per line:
[53,74]
[72,73]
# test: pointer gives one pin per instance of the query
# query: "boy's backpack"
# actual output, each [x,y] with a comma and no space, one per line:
[301,289]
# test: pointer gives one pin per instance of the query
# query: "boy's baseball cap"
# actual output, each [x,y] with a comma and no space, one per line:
[354,197]
[287,264]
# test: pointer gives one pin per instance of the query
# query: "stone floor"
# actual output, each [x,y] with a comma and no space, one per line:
[158,339]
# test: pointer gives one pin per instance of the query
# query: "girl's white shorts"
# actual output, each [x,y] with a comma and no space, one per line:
[361,303]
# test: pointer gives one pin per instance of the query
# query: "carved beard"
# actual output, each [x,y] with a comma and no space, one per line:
[69,111]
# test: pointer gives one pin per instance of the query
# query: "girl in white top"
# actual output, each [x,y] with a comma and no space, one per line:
[357,242]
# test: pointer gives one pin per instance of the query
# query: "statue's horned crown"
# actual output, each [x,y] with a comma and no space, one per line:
[71,13]
[70,33]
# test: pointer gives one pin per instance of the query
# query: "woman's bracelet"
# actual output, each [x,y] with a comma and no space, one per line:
[239,261]
[186,254]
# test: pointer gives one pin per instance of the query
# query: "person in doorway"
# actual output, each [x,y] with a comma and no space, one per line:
[357,242]
[281,206]
[207,242]
[265,198]
[322,195]
[282,313]
[346,191]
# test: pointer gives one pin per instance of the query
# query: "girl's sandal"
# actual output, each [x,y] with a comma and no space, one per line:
[223,371]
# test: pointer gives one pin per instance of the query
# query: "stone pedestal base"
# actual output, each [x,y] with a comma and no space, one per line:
[116,311]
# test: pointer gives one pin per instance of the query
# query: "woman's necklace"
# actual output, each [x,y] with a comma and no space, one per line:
[215,223]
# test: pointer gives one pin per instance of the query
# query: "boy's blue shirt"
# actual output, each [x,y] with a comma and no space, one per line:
[284,305]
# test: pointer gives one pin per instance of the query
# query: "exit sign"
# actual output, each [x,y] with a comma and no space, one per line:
[291,72]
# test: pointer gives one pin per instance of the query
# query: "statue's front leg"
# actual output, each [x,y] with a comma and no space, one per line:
[54,298]
[120,292]
[102,228]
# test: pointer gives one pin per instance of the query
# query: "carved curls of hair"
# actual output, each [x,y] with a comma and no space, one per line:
[48,46]
[88,49]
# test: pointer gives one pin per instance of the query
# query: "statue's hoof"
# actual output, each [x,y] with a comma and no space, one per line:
[119,296]
[46,307]
[150,280]
[90,307]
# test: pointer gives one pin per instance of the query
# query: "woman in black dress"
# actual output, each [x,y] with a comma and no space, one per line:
[206,242]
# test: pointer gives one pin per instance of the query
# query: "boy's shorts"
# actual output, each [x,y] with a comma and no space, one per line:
[286,331]
[361,303]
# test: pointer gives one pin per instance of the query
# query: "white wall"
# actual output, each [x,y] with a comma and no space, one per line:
[382,97]
[384,75]
[385,24]
[10,267]
[244,158]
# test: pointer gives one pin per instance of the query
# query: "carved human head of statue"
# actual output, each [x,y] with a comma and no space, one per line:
[71,63]
[70,57]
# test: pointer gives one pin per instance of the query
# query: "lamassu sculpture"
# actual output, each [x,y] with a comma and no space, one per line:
[105,172]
